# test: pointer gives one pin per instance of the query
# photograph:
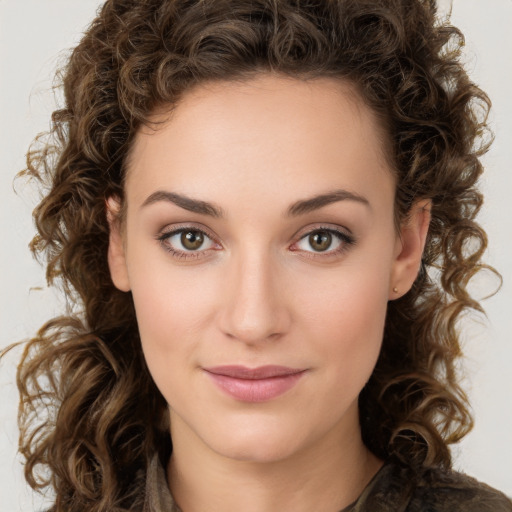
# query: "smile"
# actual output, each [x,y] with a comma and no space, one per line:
[254,384]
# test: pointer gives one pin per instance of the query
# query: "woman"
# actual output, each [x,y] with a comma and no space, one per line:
[266,213]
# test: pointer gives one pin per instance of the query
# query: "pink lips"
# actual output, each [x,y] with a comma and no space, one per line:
[254,384]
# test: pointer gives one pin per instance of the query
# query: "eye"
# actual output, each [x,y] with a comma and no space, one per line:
[324,240]
[320,241]
[187,242]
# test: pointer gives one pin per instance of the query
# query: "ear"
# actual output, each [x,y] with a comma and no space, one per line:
[409,249]
[116,247]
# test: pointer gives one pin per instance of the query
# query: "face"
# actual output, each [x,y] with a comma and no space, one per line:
[260,248]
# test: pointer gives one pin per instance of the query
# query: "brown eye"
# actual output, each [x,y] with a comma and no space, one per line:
[320,241]
[192,240]
[324,242]
[188,243]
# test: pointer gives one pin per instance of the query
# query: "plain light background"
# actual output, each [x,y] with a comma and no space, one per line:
[33,35]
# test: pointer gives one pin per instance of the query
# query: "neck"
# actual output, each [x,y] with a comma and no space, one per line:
[327,476]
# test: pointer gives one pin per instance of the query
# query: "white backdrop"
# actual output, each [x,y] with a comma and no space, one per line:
[33,34]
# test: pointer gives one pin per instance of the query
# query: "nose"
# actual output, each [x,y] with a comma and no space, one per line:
[256,308]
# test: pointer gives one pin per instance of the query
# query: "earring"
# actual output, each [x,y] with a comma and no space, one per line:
[395,290]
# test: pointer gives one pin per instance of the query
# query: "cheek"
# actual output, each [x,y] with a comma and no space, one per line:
[344,314]
[353,298]
[171,313]
[172,309]
[353,329]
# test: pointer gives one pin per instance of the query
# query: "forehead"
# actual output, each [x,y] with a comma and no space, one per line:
[272,130]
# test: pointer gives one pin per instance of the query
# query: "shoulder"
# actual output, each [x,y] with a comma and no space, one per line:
[439,490]
[429,490]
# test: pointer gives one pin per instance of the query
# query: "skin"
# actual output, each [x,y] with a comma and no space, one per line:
[258,291]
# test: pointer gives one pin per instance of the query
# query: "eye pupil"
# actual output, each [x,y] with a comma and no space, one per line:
[320,240]
[192,240]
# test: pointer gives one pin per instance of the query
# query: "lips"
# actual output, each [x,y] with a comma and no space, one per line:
[254,384]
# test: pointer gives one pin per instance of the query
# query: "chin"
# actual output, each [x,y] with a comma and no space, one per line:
[256,450]
[255,442]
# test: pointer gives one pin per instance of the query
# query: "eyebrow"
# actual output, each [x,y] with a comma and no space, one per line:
[314,203]
[298,208]
[187,203]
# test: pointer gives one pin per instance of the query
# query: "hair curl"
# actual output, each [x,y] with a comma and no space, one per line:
[103,415]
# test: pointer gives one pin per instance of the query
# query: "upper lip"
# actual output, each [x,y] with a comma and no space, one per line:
[261,372]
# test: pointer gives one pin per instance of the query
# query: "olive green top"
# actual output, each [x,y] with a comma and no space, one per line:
[392,489]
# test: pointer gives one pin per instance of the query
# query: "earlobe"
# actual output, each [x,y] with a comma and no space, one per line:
[409,250]
[116,248]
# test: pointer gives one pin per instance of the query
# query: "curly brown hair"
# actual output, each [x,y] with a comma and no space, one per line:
[90,414]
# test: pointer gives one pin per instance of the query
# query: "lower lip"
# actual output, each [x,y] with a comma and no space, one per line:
[257,390]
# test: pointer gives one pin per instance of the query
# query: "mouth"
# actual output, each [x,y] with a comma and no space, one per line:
[254,384]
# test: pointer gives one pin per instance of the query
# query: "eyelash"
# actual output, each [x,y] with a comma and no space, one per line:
[345,240]
[184,255]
